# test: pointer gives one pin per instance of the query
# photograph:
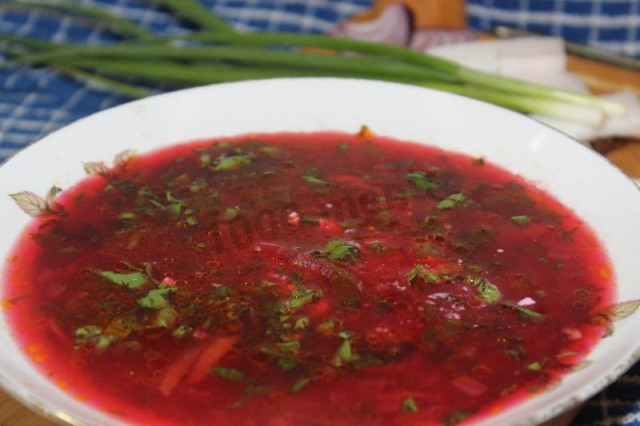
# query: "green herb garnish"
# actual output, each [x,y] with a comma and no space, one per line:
[286,364]
[409,406]
[131,280]
[341,250]
[453,200]
[229,214]
[156,298]
[343,147]
[314,180]
[536,366]
[456,417]
[420,271]
[521,219]
[344,354]
[523,311]
[299,385]
[92,334]
[166,317]
[232,162]
[487,291]
[421,180]
[182,331]
[231,374]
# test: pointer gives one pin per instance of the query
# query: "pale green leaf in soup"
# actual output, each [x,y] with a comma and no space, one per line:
[299,385]
[232,162]
[32,204]
[409,406]
[621,310]
[128,279]
[94,167]
[156,298]
[124,156]
[52,194]
[92,334]
[486,290]
[232,374]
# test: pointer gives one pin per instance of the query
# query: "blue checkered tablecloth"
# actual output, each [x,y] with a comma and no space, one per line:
[612,25]
[34,102]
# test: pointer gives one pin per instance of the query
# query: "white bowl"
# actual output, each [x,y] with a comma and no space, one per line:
[580,178]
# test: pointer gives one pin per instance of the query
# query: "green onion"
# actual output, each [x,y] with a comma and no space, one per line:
[579,113]
[223,55]
[112,22]
[102,82]
[191,11]
[94,80]
[356,66]
[478,78]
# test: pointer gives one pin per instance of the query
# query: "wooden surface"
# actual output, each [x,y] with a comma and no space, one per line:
[601,78]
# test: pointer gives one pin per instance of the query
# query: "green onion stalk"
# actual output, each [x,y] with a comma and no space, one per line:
[216,53]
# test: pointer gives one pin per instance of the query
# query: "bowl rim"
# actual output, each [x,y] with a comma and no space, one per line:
[62,416]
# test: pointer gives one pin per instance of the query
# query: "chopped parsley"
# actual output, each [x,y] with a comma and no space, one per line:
[409,406]
[453,200]
[231,374]
[521,219]
[299,385]
[524,311]
[420,271]
[341,250]
[156,298]
[314,180]
[487,291]
[232,162]
[131,280]
[421,180]
[344,354]
[229,214]
[536,366]
[92,334]
[456,417]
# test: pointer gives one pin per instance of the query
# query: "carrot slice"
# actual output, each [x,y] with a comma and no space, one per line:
[177,370]
[211,355]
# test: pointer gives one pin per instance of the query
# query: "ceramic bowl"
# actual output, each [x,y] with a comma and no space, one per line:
[580,178]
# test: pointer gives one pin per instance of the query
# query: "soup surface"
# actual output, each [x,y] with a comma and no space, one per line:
[298,279]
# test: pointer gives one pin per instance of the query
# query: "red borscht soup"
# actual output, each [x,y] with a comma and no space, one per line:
[296,279]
